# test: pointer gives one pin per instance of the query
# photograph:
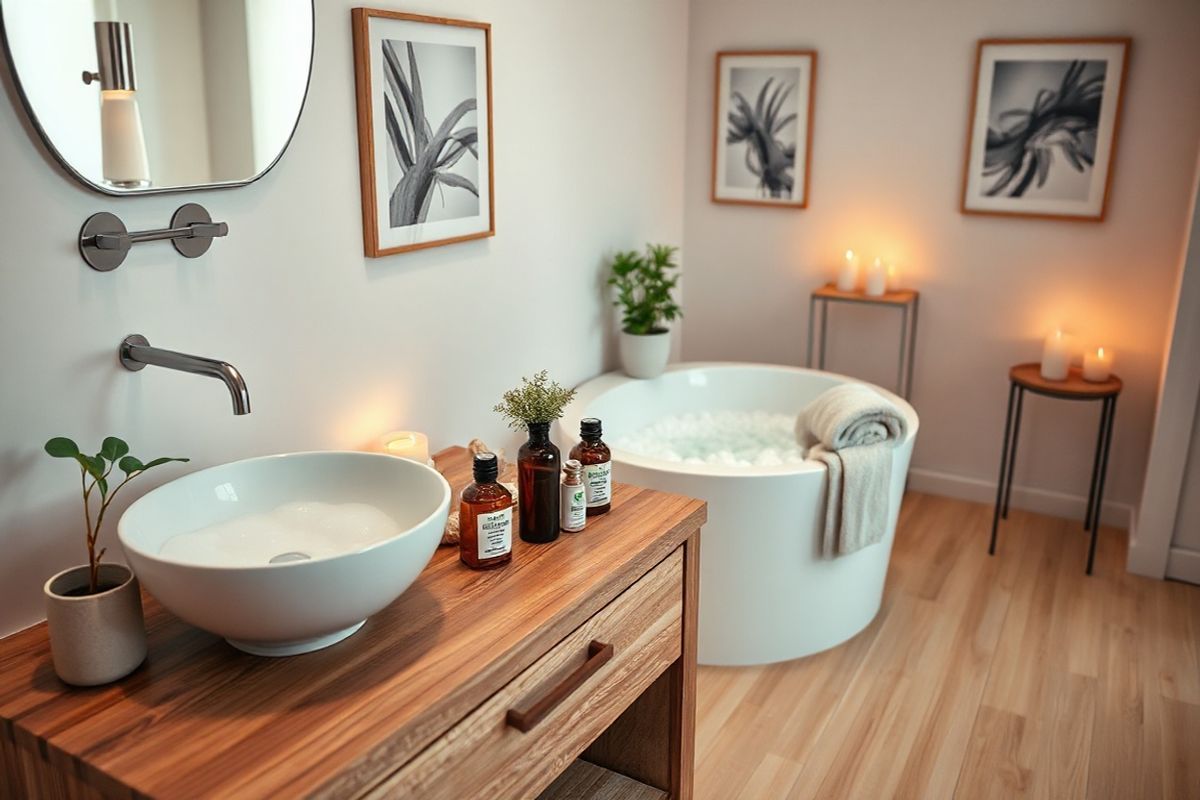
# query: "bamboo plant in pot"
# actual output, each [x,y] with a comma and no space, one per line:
[94,611]
[644,284]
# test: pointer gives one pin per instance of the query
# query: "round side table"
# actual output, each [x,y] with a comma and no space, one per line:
[1028,378]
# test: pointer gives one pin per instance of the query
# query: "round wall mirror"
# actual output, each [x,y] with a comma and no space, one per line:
[142,96]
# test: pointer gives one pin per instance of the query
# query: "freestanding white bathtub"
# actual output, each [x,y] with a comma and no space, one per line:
[766,594]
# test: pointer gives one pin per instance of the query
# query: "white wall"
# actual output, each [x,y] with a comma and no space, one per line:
[272,68]
[1187,523]
[169,62]
[1166,540]
[58,47]
[227,105]
[894,85]
[336,348]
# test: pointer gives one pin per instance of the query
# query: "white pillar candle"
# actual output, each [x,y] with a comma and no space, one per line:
[876,279]
[893,278]
[1056,357]
[1097,365]
[847,279]
[407,444]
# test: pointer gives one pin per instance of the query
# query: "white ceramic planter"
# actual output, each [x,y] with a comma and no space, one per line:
[645,356]
[96,638]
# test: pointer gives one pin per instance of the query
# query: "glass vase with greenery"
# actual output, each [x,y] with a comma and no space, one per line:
[645,285]
[94,473]
[533,406]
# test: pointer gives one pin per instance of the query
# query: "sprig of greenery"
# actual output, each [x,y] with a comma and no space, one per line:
[536,400]
[644,288]
[113,453]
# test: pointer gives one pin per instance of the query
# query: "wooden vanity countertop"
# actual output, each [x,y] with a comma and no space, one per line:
[201,718]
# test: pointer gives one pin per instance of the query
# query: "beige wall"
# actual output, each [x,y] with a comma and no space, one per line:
[336,348]
[893,90]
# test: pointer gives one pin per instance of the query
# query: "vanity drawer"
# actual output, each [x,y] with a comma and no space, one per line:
[564,700]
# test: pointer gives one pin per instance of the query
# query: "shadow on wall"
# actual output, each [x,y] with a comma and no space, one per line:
[36,541]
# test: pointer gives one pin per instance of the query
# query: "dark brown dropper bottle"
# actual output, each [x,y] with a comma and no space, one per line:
[537,479]
[596,458]
[485,518]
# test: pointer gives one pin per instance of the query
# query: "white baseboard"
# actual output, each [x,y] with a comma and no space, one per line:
[1183,565]
[1041,501]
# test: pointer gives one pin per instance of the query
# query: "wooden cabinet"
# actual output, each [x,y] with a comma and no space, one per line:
[569,673]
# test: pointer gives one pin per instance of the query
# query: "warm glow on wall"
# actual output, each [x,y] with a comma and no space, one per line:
[865,242]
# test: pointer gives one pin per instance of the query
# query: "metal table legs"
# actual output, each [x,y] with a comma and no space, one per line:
[1008,460]
[908,338]
[1108,411]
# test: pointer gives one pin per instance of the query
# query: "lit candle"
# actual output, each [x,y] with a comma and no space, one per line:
[407,444]
[876,279]
[1056,357]
[847,279]
[893,278]
[1097,365]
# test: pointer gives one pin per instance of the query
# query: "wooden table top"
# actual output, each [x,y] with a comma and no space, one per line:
[1074,387]
[201,718]
[892,297]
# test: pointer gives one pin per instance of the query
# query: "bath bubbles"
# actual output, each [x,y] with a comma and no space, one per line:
[725,438]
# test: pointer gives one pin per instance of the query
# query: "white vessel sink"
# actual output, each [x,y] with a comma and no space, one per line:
[290,553]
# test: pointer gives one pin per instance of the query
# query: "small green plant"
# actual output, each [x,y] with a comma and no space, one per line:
[113,453]
[644,288]
[536,400]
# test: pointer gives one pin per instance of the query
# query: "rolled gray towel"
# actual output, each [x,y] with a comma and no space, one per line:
[853,429]
[850,415]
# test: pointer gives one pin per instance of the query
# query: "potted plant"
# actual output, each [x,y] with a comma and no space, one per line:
[94,611]
[532,406]
[644,284]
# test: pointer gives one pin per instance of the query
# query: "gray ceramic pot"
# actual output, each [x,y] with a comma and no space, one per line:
[95,638]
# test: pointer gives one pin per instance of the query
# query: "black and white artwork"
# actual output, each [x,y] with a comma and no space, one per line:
[1043,128]
[760,149]
[432,131]
[428,173]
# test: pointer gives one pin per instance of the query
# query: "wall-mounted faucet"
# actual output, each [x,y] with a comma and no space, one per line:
[135,353]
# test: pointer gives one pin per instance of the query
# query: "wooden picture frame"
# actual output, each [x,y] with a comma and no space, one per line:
[740,171]
[1025,155]
[425,182]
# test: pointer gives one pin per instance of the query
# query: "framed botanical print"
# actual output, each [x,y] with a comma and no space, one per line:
[1043,127]
[424,89]
[762,127]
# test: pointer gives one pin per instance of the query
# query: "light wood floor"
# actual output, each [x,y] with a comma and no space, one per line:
[1007,676]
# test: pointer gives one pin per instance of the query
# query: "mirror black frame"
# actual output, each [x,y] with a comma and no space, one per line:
[141,192]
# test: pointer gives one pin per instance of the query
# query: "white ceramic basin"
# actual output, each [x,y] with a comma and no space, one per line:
[287,554]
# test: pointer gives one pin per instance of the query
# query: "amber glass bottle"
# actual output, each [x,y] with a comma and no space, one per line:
[537,479]
[596,458]
[485,518]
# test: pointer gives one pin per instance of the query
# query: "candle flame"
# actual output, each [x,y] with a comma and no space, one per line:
[849,255]
[1100,352]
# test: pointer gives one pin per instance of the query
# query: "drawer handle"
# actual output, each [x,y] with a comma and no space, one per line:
[524,719]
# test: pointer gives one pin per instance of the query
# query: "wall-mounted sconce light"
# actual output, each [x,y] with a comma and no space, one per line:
[122,141]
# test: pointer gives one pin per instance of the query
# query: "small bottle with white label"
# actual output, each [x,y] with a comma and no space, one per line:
[485,518]
[596,459]
[574,498]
